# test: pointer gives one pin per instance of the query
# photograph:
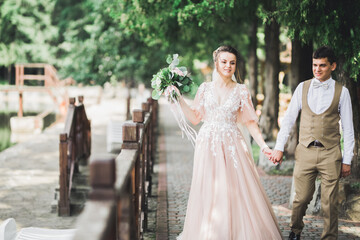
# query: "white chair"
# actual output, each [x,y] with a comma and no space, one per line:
[8,229]
[33,233]
[114,136]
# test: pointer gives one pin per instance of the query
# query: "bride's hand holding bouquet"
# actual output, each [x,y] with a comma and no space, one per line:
[171,81]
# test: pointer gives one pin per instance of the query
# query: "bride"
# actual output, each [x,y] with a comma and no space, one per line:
[227,200]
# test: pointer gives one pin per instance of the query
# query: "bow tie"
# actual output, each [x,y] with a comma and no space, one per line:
[319,84]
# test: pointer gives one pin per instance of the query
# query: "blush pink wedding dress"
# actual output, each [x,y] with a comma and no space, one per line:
[227,200]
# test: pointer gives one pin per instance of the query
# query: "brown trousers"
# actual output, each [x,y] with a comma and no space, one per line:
[311,161]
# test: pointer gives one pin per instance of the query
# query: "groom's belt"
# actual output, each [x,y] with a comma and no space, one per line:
[316,143]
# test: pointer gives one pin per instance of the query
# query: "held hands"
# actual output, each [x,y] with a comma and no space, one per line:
[267,151]
[276,157]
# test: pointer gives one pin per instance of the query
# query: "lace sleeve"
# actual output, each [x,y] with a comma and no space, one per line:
[198,104]
[246,110]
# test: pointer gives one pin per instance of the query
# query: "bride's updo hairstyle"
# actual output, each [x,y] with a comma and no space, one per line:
[229,49]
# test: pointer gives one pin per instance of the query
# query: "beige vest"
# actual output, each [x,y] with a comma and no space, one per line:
[323,127]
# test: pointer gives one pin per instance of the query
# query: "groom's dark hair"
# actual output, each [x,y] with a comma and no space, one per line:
[325,52]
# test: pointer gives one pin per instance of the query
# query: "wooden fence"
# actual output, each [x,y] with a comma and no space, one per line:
[46,80]
[75,146]
[49,77]
[117,205]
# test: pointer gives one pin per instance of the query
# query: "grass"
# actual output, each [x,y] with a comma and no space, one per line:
[5,139]
[4,82]
[355,186]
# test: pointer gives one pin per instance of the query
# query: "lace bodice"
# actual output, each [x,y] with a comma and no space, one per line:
[220,121]
[237,107]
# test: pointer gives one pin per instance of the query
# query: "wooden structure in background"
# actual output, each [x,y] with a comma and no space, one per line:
[117,205]
[49,77]
[75,146]
[49,80]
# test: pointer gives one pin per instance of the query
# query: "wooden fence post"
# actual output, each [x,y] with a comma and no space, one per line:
[102,179]
[145,107]
[138,117]
[130,136]
[17,75]
[64,201]
[88,139]
[21,104]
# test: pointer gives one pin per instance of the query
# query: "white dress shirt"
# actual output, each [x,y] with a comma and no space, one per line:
[319,100]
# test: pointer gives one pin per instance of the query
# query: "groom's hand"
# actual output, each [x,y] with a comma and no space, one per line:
[345,170]
[276,156]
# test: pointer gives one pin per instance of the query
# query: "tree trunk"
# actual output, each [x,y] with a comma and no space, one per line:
[354,89]
[301,61]
[253,62]
[270,111]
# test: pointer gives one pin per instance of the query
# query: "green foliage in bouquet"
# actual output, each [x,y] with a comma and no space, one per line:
[171,75]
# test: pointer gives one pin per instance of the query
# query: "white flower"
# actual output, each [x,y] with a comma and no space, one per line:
[158,82]
[178,71]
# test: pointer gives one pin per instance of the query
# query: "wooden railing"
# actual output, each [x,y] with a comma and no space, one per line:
[49,81]
[117,205]
[75,146]
[49,77]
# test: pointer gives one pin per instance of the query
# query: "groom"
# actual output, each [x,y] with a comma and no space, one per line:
[322,102]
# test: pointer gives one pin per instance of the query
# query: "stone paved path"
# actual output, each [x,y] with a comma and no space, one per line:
[178,155]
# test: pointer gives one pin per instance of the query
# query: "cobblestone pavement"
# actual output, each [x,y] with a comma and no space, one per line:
[179,159]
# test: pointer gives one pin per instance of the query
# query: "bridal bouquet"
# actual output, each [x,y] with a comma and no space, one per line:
[171,75]
[178,77]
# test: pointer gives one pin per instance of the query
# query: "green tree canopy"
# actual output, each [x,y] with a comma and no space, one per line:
[325,22]
[95,49]
[26,32]
[191,28]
